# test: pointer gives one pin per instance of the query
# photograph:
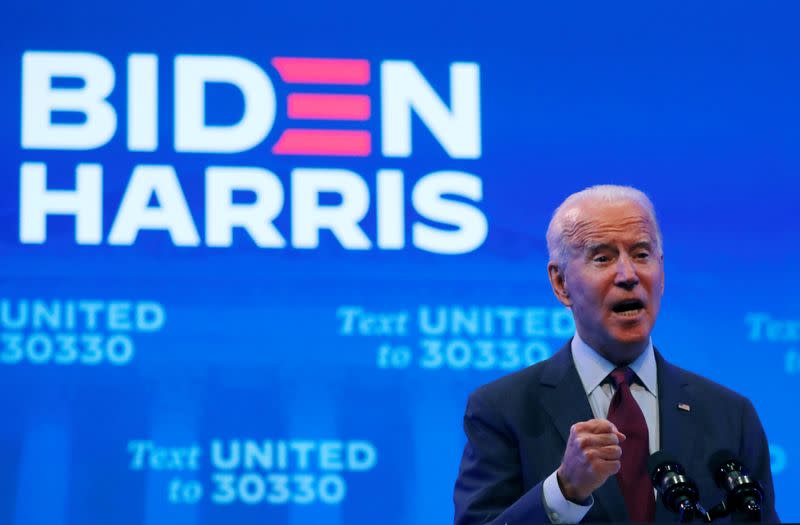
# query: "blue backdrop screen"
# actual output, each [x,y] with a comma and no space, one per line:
[253,256]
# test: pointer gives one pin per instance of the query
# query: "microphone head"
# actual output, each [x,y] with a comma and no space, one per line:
[721,463]
[721,458]
[677,491]
[658,459]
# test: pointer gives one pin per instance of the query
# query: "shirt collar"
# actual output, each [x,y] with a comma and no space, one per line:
[593,368]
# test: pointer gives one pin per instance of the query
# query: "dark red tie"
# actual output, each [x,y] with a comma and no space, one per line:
[624,412]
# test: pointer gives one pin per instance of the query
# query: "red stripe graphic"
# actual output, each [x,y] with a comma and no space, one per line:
[328,107]
[350,71]
[324,142]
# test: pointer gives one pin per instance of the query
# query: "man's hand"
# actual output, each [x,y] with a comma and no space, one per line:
[592,456]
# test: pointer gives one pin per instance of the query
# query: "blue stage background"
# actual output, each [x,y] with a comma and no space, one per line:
[264,349]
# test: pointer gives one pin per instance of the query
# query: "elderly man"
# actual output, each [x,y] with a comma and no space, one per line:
[567,440]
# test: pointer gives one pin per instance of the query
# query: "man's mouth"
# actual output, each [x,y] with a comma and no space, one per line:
[628,307]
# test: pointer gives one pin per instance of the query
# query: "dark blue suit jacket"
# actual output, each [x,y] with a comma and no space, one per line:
[517,429]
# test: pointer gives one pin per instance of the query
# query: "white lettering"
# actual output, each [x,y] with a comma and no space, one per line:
[192,134]
[222,215]
[40,99]
[171,214]
[391,210]
[470,222]
[37,202]
[308,216]
[142,102]
[404,89]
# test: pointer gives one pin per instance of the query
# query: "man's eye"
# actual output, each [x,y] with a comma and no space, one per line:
[600,259]
[643,255]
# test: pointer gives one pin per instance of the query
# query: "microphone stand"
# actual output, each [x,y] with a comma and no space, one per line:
[687,511]
[752,512]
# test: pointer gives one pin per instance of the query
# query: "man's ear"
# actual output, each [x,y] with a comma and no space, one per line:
[662,274]
[558,283]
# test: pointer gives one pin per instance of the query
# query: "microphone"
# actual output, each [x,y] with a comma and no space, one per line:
[745,494]
[678,492]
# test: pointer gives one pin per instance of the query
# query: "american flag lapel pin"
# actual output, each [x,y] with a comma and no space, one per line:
[684,407]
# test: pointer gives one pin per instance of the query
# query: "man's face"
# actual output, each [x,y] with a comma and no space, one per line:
[613,279]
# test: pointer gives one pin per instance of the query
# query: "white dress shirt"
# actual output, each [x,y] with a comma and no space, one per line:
[593,370]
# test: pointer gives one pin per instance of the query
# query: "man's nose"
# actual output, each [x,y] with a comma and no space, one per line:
[626,276]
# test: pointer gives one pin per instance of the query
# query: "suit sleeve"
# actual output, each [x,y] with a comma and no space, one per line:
[489,488]
[754,451]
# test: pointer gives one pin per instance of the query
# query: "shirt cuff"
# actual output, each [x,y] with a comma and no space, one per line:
[558,508]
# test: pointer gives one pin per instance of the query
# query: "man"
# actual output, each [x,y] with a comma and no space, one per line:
[567,440]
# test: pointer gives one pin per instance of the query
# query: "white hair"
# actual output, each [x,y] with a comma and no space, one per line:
[563,220]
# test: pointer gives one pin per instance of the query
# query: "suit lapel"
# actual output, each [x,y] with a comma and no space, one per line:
[678,426]
[564,399]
